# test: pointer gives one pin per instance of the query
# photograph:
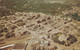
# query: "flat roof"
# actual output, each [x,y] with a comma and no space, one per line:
[7,46]
[19,46]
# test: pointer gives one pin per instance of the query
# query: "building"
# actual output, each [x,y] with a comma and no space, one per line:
[8,47]
[20,46]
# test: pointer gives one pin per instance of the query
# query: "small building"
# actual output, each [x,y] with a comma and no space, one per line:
[20,46]
[8,47]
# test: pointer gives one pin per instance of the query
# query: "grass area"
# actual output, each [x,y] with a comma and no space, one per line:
[42,7]
[32,6]
[58,0]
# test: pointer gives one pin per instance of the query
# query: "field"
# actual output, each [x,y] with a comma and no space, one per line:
[48,8]
[38,6]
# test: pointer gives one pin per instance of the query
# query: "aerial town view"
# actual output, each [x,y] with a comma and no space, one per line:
[39,24]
